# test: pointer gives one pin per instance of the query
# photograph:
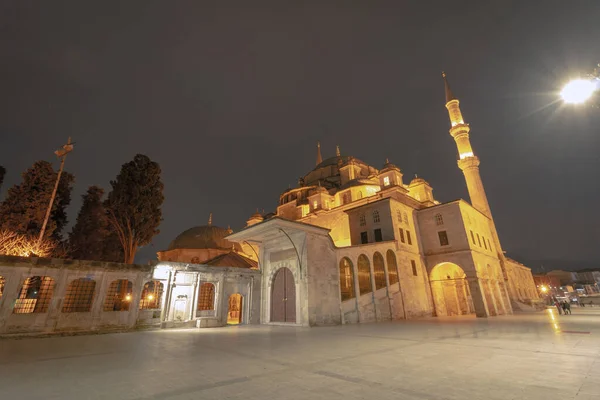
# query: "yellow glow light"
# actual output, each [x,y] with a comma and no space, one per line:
[578,91]
[150,297]
[128,297]
[544,289]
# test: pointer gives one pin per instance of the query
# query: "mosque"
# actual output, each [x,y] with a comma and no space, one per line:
[354,243]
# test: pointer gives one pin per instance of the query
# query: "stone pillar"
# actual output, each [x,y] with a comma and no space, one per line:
[477,296]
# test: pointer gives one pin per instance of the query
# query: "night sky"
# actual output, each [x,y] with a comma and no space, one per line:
[231,100]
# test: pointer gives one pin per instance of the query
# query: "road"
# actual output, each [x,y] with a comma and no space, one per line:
[527,356]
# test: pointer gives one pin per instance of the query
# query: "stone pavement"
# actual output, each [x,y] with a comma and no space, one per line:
[527,356]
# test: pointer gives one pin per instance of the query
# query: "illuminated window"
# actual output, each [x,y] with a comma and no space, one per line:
[79,295]
[315,205]
[443,238]
[118,297]
[35,295]
[392,267]
[402,235]
[364,275]
[363,220]
[439,220]
[378,235]
[195,260]
[151,295]
[379,270]
[375,216]
[346,279]
[408,239]
[386,181]
[405,216]
[473,237]
[414,267]
[206,298]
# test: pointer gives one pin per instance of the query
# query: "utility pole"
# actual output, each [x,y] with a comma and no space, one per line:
[62,154]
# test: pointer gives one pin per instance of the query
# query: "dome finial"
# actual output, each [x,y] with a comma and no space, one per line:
[449,95]
[319,158]
[387,160]
[210,219]
[337,151]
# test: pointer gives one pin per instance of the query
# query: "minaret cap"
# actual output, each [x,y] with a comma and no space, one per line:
[319,158]
[337,151]
[449,95]
[210,219]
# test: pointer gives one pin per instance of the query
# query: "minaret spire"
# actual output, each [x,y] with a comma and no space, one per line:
[210,219]
[449,95]
[319,158]
[337,151]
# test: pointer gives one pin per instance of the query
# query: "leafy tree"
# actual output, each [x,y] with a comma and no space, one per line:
[134,204]
[24,208]
[87,238]
[2,173]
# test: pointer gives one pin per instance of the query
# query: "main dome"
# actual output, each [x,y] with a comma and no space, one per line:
[204,237]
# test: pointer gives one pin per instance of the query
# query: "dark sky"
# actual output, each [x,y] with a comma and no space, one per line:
[231,98]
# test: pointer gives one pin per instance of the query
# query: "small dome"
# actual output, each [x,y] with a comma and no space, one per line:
[418,180]
[204,237]
[388,165]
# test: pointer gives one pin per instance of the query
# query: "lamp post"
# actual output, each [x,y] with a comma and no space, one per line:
[579,91]
[62,154]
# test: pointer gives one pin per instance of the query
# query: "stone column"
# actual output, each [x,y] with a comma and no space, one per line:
[477,296]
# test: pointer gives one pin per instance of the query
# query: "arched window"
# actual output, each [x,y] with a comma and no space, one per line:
[405,217]
[379,270]
[206,298]
[364,275]
[118,297]
[375,216]
[2,281]
[195,260]
[346,279]
[35,295]
[79,295]
[392,267]
[439,220]
[151,295]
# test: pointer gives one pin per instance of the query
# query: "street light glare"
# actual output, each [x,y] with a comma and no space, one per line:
[578,91]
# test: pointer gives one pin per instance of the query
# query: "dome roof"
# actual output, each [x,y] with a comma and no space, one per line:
[204,237]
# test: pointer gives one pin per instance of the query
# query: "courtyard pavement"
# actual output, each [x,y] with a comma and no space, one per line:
[526,356]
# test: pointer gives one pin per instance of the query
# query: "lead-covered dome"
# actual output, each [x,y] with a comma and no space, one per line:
[204,237]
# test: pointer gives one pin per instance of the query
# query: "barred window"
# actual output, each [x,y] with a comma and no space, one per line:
[408,239]
[151,295]
[405,217]
[347,279]
[79,295]
[206,298]
[363,220]
[399,215]
[379,270]
[375,216]
[443,236]
[401,235]
[413,264]
[392,267]
[364,275]
[2,281]
[118,297]
[439,220]
[35,295]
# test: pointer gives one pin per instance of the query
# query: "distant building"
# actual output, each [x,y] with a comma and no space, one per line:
[565,277]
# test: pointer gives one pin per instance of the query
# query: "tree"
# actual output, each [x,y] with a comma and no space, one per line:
[24,208]
[88,236]
[2,173]
[134,204]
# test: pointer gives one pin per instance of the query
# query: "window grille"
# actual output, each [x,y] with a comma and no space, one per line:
[444,238]
[79,295]
[35,296]
[405,217]
[206,299]
[151,295]
[118,297]
[439,220]
[375,216]
[363,220]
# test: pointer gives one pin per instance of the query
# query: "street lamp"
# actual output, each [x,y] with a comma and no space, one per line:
[579,91]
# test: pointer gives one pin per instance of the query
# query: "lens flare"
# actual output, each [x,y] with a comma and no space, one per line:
[578,91]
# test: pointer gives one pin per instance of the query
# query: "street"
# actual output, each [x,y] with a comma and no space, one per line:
[526,356]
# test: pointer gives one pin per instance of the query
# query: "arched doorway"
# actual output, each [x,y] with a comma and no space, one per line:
[450,290]
[283,296]
[234,310]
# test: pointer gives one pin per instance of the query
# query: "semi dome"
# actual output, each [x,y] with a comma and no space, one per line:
[204,237]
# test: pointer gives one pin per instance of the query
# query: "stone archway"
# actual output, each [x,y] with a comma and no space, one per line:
[235,309]
[283,296]
[450,290]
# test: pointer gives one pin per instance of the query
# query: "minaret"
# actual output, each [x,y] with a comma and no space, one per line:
[468,162]
[319,158]
[337,151]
